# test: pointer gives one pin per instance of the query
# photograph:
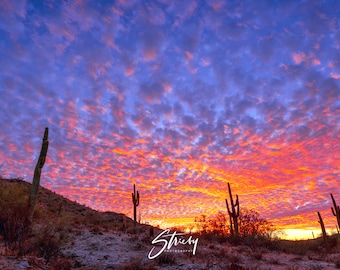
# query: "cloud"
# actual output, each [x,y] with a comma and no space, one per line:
[179,98]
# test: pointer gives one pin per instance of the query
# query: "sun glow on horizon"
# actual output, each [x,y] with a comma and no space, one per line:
[188,225]
[300,234]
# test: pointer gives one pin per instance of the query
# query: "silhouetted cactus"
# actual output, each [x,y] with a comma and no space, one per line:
[336,211]
[37,173]
[135,201]
[234,212]
[324,234]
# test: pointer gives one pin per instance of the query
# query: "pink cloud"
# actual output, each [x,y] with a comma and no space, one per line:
[150,54]
[129,71]
[298,58]
[335,75]
[316,62]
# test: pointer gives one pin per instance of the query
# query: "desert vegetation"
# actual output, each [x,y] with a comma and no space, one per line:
[57,221]
[68,235]
[135,202]
[239,226]
[242,223]
[256,239]
[43,230]
[37,222]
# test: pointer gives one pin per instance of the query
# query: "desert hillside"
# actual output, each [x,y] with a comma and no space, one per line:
[54,206]
[67,235]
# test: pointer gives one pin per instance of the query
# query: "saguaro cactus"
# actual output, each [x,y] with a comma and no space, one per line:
[234,212]
[324,234]
[336,211]
[135,201]
[37,173]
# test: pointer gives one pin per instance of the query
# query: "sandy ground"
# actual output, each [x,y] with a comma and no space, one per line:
[116,250]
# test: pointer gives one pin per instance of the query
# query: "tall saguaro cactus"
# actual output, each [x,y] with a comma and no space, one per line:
[336,211]
[234,212]
[324,234]
[135,201]
[37,173]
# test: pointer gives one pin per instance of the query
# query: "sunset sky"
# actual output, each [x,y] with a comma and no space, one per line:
[179,97]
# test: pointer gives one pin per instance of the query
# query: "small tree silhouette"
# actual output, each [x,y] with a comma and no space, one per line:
[202,223]
[250,223]
[218,224]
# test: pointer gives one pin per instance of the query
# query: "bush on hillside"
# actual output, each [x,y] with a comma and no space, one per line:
[13,216]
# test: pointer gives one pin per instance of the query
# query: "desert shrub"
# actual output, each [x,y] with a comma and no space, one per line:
[46,241]
[256,241]
[234,266]
[63,225]
[166,258]
[14,225]
[61,263]
[274,261]
[331,245]
[202,224]
[235,259]
[95,229]
[13,215]
[250,223]
[257,255]
[214,225]
[254,231]
[17,231]
[209,237]
[337,262]
[135,264]
[301,247]
[218,224]
[93,219]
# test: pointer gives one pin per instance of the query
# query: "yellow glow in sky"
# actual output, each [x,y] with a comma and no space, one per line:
[288,234]
[301,234]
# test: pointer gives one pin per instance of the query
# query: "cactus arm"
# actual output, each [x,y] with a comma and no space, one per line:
[230,196]
[334,213]
[226,201]
[335,210]
[237,204]
[233,211]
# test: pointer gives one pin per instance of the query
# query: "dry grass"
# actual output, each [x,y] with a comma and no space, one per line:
[54,218]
